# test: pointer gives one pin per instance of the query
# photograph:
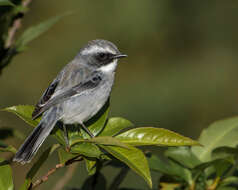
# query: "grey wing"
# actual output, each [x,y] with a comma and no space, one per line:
[71,71]
[45,98]
[91,83]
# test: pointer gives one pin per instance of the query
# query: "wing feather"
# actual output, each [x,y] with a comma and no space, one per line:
[44,98]
[46,101]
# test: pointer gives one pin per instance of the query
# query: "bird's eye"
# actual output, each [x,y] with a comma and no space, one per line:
[96,78]
[103,56]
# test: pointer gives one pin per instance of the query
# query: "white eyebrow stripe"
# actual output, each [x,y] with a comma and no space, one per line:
[96,49]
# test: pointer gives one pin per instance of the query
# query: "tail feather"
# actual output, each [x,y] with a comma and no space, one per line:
[33,142]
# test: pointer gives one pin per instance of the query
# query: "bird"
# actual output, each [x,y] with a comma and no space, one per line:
[77,94]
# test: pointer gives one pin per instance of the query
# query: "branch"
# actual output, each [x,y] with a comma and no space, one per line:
[46,176]
[65,179]
[53,170]
[15,26]
[9,51]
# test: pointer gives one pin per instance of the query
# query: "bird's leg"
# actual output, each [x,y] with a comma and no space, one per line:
[77,128]
[66,137]
[87,130]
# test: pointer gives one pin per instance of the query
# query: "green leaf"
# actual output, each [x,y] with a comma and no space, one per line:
[97,126]
[6,182]
[170,168]
[7,132]
[115,125]
[3,145]
[183,155]
[220,166]
[225,153]
[229,180]
[134,158]
[72,130]
[220,133]
[102,140]
[160,165]
[6,3]
[34,169]
[169,186]
[35,31]
[129,189]
[8,148]
[205,165]
[24,112]
[90,166]
[108,141]
[154,136]
[226,188]
[59,135]
[64,156]
[86,149]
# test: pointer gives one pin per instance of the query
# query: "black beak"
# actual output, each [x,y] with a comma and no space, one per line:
[118,56]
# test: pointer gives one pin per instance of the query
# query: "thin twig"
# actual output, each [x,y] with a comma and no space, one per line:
[53,170]
[65,179]
[9,51]
[46,176]
[11,32]
[15,26]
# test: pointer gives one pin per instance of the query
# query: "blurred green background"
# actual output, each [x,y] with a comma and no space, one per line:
[181,73]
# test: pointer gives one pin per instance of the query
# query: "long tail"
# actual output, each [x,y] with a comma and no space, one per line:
[33,142]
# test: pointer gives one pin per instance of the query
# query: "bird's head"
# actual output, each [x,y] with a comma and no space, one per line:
[101,54]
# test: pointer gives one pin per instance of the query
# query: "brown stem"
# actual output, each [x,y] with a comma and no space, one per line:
[65,179]
[46,176]
[53,170]
[214,185]
[9,51]
[15,26]
[192,186]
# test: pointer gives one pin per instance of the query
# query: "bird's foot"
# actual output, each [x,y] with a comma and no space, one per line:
[68,148]
[87,130]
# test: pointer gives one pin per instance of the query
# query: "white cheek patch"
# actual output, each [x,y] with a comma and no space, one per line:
[94,49]
[109,67]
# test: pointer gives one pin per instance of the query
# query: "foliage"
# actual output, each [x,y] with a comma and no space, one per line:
[120,145]
[211,166]
[6,182]
[10,22]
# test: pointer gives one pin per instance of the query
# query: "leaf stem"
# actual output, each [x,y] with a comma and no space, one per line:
[214,185]
[192,186]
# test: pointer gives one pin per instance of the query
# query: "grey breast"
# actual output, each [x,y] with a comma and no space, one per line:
[81,107]
[85,105]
